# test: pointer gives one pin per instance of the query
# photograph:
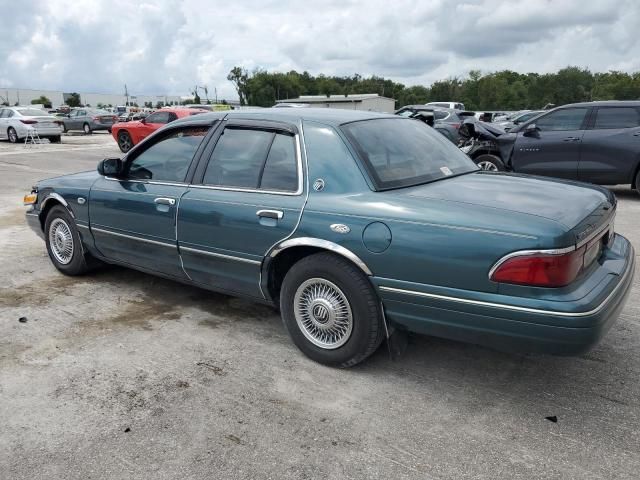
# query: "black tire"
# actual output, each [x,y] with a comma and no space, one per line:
[12,135]
[491,163]
[86,128]
[109,130]
[124,141]
[64,128]
[77,264]
[638,181]
[55,139]
[367,328]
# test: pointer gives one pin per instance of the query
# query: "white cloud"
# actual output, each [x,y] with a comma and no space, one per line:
[168,46]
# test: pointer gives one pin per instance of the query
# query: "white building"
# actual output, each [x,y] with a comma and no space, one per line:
[371,102]
[23,96]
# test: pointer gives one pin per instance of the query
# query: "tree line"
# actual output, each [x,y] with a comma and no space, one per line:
[503,90]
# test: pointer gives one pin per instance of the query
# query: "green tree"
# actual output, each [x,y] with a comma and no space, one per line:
[41,100]
[73,100]
[240,78]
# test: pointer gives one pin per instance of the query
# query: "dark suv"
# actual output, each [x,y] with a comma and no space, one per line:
[597,142]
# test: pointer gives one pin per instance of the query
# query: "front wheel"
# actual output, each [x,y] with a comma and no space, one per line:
[638,181]
[331,310]
[55,139]
[63,242]
[87,129]
[490,163]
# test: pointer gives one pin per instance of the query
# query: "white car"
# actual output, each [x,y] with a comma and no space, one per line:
[16,122]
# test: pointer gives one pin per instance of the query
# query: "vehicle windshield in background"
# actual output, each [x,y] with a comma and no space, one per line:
[32,112]
[401,152]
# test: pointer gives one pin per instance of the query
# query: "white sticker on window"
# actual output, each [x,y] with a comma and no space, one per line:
[446,171]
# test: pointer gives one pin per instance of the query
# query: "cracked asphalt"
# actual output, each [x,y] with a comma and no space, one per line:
[118,374]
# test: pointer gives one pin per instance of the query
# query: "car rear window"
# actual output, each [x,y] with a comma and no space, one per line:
[32,112]
[617,117]
[399,152]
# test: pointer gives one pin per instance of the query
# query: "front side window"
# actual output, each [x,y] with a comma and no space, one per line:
[565,119]
[168,159]
[440,115]
[253,159]
[617,117]
[400,152]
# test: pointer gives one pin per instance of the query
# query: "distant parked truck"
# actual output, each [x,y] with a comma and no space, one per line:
[450,105]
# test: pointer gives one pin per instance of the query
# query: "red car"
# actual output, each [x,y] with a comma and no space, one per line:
[128,134]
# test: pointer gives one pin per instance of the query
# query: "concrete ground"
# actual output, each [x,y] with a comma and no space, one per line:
[122,375]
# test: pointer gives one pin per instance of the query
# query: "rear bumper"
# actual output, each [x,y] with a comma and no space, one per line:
[512,323]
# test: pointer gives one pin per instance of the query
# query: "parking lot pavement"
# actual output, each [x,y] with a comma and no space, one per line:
[118,374]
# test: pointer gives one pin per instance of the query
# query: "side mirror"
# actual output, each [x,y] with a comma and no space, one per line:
[110,167]
[143,120]
[531,129]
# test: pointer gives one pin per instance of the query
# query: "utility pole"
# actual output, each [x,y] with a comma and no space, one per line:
[126,94]
[216,89]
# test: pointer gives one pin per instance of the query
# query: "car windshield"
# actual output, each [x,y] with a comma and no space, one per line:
[32,112]
[399,152]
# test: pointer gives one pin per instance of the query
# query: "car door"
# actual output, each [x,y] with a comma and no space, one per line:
[133,217]
[153,122]
[250,197]
[611,146]
[552,148]
[3,123]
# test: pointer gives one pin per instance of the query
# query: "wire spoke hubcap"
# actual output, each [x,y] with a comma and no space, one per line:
[489,166]
[323,313]
[61,241]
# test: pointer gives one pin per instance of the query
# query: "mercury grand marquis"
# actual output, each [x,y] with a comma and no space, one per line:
[355,225]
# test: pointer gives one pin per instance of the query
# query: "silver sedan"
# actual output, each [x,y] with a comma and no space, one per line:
[17,122]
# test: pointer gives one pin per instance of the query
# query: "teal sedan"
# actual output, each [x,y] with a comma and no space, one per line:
[356,225]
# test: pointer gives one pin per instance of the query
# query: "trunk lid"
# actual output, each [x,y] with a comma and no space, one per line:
[578,207]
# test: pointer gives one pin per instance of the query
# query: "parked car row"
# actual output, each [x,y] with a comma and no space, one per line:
[597,142]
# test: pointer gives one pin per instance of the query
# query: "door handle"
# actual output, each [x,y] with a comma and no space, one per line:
[277,214]
[165,201]
[571,139]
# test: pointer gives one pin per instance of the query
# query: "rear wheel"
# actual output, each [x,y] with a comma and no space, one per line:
[638,181]
[331,310]
[63,242]
[87,129]
[55,139]
[12,135]
[490,163]
[124,142]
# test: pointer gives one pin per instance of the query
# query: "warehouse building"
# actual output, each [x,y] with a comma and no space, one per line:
[371,102]
[23,96]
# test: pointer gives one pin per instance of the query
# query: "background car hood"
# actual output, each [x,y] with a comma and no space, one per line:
[561,201]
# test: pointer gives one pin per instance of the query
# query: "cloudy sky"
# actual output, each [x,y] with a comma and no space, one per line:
[167,46]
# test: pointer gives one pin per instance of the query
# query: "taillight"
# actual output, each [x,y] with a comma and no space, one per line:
[29,122]
[540,269]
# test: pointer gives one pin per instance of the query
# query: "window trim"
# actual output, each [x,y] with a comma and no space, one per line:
[253,126]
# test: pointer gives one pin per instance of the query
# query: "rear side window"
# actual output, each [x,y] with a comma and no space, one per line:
[565,119]
[253,159]
[168,159]
[617,117]
[280,170]
[440,115]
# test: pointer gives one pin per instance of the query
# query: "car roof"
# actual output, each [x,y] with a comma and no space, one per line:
[605,103]
[331,116]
